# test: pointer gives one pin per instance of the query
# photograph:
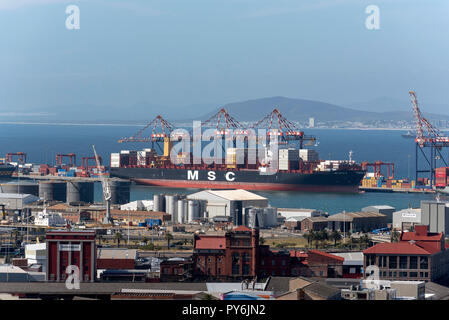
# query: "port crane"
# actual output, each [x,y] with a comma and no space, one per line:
[107,195]
[277,125]
[21,157]
[429,143]
[160,131]
[60,158]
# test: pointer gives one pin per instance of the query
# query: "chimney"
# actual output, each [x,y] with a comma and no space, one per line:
[421,230]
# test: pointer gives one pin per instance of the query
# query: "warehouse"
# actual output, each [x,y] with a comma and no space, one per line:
[228,202]
[16,201]
[386,210]
[406,219]
[300,212]
[435,215]
[357,221]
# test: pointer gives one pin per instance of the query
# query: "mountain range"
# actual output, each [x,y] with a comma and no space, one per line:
[249,110]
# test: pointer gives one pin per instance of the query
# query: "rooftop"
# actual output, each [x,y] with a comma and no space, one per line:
[349,216]
[398,248]
[210,242]
[238,194]
[116,253]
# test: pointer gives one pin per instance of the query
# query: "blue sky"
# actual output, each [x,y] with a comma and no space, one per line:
[178,52]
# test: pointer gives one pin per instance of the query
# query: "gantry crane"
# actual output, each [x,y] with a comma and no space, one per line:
[277,125]
[429,141]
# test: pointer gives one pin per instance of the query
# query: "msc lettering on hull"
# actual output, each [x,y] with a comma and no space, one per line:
[211,175]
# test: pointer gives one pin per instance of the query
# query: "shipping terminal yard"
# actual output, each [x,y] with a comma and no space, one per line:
[220,239]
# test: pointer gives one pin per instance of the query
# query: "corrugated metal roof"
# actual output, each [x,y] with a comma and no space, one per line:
[115,253]
[349,216]
[238,194]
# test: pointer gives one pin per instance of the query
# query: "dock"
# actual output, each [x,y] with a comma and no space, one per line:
[399,190]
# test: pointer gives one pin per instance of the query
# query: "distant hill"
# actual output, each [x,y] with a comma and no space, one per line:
[249,110]
[301,109]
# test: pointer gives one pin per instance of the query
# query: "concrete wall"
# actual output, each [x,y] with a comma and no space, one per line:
[435,215]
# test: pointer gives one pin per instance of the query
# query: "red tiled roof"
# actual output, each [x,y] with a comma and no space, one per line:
[397,248]
[328,255]
[407,236]
[242,228]
[210,242]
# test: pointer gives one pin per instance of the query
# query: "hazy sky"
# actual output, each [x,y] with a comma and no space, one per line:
[179,52]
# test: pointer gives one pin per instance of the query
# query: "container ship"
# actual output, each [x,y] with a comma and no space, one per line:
[296,170]
[6,170]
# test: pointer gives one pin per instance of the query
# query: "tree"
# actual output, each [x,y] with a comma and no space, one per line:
[336,236]
[261,240]
[145,240]
[168,236]
[395,236]
[308,236]
[100,239]
[118,236]
[364,240]
[324,235]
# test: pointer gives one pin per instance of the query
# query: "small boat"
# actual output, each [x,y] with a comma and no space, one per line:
[409,135]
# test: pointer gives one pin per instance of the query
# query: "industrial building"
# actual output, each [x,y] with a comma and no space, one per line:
[228,202]
[67,247]
[435,214]
[313,224]
[406,219]
[384,209]
[36,253]
[300,212]
[116,258]
[17,201]
[357,221]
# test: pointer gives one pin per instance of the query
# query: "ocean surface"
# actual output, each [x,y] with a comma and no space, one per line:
[41,143]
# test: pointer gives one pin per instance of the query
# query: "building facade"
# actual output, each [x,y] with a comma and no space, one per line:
[419,255]
[71,248]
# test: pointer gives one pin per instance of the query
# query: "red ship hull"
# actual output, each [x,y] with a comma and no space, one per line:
[245,185]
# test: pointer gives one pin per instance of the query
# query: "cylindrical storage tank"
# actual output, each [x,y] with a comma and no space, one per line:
[181,211]
[46,190]
[256,213]
[120,191]
[193,210]
[59,191]
[171,201]
[156,202]
[52,190]
[202,205]
[270,216]
[80,191]
[20,187]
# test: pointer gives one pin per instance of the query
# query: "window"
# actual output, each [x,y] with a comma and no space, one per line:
[403,274]
[273,262]
[403,263]
[413,262]
[413,274]
[245,270]
[235,269]
[393,262]
[262,262]
[219,271]
[423,262]
[283,262]
[246,257]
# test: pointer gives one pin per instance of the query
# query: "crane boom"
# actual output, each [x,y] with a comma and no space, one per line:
[106,190]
